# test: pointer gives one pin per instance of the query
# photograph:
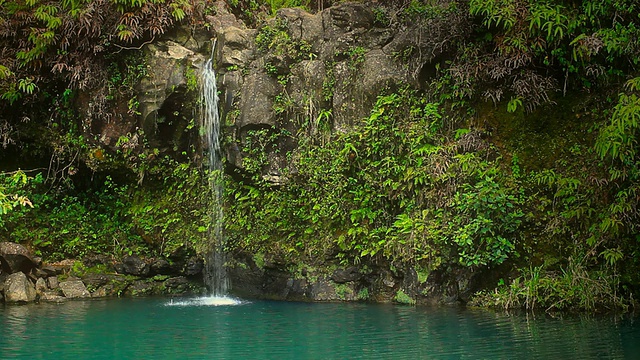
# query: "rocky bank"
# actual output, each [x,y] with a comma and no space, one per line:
[25,278]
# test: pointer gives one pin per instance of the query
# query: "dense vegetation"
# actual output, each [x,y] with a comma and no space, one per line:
[542,186]
[521,154]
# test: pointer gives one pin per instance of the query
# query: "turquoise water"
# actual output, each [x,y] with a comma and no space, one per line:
[156,328]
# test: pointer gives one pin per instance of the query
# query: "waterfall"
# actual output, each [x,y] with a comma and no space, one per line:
[215,274]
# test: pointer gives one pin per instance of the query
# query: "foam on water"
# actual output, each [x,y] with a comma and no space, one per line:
[207,301]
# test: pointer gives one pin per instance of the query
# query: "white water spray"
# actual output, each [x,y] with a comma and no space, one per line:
[215,274]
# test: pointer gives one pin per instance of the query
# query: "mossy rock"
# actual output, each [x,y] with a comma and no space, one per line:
[402,298]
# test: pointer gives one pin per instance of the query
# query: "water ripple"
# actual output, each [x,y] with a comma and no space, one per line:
[207,328]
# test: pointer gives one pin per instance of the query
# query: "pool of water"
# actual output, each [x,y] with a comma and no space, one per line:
[161,328]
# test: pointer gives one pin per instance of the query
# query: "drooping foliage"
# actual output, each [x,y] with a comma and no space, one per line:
[70,38]
[531,48]
[59,56]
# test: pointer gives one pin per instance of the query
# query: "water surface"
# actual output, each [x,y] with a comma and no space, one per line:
[160,328]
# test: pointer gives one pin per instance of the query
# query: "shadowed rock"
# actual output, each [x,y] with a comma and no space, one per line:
[52,283]
[194,266]
[134,265]
[41,286]
[342,276]
[15,257]
[160,266]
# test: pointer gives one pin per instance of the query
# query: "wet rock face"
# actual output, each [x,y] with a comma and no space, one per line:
[324,282]
[291,69]
[299,65]
[168,64]
[194,266]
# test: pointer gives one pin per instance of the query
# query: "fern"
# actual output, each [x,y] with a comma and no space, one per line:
[618,140]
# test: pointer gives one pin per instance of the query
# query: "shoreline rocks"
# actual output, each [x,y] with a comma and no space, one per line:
[18,289]
[96,276]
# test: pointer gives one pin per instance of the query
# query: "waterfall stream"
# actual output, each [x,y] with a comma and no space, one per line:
[215,274]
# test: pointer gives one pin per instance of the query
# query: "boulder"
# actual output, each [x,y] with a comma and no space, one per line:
[176,285]
[97,280]
[16,258]
[60,267]
[39,273]
[93,260]
[236,47]
[18,289]
[74,289]
[160,266]
[103,285]
[354,94]
[111,290]
[51,296]
[351,16]
[140,288]
[3,277]
[133,265]
[256,100]
[100,292]
[41,286]
[52,282]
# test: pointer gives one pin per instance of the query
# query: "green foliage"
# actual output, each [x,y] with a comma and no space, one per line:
[376,192]
[279,4]
[486,223]
[329,82]
[402,298]
[192,79]
[125,74]
[572,287]
[587,43]
[617,144]
[10,187]
[60,35]
[257,144]
[115,218]
[381,17]
[428,9]
[355,56]
[618,140]
[275,39]
[363,294]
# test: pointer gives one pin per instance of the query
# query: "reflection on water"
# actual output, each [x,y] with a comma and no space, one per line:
[192,328]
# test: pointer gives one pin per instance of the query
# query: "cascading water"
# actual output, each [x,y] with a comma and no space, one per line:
[215,274]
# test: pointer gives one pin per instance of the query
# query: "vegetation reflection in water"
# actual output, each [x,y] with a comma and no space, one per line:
[148,328]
